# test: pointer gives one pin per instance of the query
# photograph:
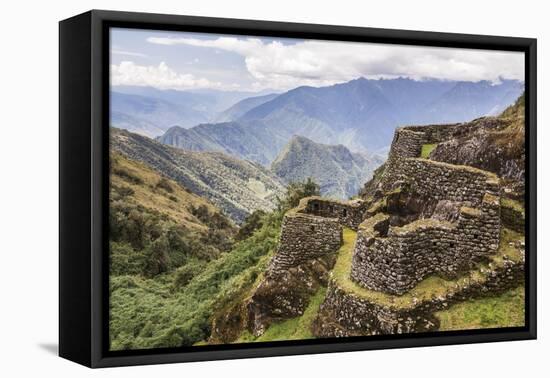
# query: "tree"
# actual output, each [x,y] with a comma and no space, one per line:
[296,191]
[252,222]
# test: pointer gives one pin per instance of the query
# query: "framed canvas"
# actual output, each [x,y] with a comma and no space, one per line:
[235,188]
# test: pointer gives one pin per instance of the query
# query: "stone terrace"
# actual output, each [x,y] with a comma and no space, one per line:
[460,228]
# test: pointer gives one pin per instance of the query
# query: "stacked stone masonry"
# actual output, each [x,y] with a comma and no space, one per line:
[395,263]
[344,314]
[305,237]
[314,229]
[395,260]
[348,214]
[437,218]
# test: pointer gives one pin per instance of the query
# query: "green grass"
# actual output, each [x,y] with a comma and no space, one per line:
[298,328]
[512,204]
[505,310]
[427,149]
[432,286]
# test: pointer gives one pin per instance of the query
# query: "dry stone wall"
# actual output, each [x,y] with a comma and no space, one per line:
[305,237]
[349,213]
[440,181]
[345,314]
[397,262]
[406,144]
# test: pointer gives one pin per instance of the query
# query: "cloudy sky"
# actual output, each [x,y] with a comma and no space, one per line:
[178,60]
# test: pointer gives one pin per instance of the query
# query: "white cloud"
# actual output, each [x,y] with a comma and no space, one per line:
[128,53]
[161,76]
[273,64]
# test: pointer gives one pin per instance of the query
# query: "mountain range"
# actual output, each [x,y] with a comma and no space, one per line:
[150,111]
[327,133]
[237,187]
[360,114]
[339,172]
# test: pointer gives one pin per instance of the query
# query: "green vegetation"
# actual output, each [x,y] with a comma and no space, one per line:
[295,192]
[175,309]
[512,204]
[432,286]
[174,264]
[505,310]
[251,223]
[152,234]
[427,149]
[298,328]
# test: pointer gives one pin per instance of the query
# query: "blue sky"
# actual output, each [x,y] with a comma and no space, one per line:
[180,60]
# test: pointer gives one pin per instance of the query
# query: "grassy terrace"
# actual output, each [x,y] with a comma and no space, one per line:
[427,149]
[430,287]
[511,204]
[504,310]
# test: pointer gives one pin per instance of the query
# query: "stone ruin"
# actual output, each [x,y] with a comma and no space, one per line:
[424,218]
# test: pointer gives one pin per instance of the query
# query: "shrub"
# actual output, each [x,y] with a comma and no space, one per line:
[184,274]
[253,222]
[295,192]
[127,175]
[158,260]
[163,183]
[125,260]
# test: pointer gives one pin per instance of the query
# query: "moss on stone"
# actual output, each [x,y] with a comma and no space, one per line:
[378,206]
[470,211]
[367,226]
[430,287]
[421,224]
[509,246]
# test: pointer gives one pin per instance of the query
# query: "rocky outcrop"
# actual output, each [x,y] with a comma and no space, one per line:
[285,294]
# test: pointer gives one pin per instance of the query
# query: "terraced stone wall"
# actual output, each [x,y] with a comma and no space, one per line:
[305,237]
[345,314]
[397,262]
[349,214]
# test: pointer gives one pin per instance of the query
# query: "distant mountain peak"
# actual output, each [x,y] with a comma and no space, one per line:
[339,172]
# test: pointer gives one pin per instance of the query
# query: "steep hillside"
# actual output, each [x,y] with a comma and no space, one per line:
[496,144]
[173,259]
[138,184]
[243,106]
[339,172]
[250,140]
[237,187]
[156,225]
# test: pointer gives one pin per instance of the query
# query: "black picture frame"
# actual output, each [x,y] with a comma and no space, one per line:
[84,183]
